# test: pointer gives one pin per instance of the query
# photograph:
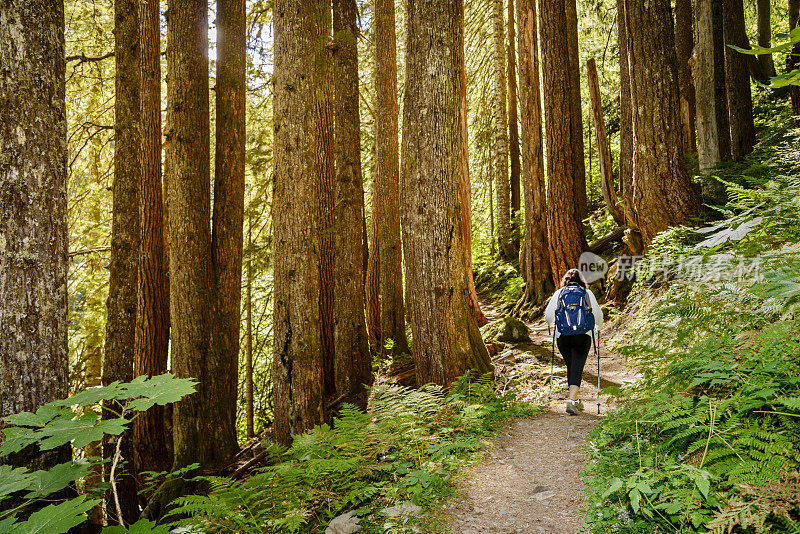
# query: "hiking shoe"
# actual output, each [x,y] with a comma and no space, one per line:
[574,407]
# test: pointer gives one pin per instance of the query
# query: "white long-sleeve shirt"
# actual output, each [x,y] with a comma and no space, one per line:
[550,311]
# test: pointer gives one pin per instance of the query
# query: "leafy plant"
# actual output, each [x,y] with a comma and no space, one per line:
[63,422]
[406,448]
[706,441]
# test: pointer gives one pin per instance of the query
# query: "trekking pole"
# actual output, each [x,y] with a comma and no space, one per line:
[597,352]
[552,358]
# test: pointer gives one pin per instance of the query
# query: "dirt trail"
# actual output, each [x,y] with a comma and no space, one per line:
[529,482]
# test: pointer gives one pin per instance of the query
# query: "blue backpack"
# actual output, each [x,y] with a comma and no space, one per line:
[574,312]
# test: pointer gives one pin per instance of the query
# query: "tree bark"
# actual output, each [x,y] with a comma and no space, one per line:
[297,338]
[626,116]
[663,193]
[372,283]
[125,237]
[502,185]
[248,374]
[353,365]
[632,236]
[227,236]
[152,311]
[603,148]
[465,192]
[191,290]
[513,129]
[536,272]
[565,236]
[570,7]
[447,342]
[387,177]
[326,176]
[764,15]
[737,80]
[684,43]
[793,59]
[33,216]
[708,71]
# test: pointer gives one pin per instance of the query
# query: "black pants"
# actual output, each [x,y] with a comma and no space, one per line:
[574,349]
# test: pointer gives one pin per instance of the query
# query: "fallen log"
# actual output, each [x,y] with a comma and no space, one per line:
[613,237]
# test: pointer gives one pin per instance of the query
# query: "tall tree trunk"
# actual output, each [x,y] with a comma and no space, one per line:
[708,71]
[33,216]
[387,177]
[537,273]
[663,193]
[326,174]
[152,311]
[297,337]
[125,236]
[513,128]
[632,237]
[226,236]
[684,43]
[447,342]
[353,365]
[764,15]
[793,59]
[565,237]
[248,374]
[603,148]
[492,234]
[502,186]
[191,291]
[737,80]
[570,7]
[372,284]
[626,117]
[465,192]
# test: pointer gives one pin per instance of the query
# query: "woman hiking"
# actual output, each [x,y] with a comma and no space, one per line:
[575,316]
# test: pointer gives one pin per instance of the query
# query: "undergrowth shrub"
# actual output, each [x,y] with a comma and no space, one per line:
[707,440]
[405,448]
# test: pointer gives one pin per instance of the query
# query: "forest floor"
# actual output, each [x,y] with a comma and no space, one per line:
[530,480]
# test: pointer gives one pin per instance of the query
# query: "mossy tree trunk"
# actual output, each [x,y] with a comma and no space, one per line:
[297,339]
[447,342]
[227,233]
[565,236]
[663,193]
[353,365]
[33,215]
[125,238]
[534,258]
[387,175]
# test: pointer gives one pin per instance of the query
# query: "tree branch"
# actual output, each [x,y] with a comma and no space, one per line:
[83,58]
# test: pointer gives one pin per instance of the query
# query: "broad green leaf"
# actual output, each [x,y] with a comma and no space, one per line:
[17,438]
[44,483]
[56,518]
[616,485]
[161,390]
[91,396]
[702,484]
[80,431]
[634,495]
[7,523]
[13,479]
[43,415]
